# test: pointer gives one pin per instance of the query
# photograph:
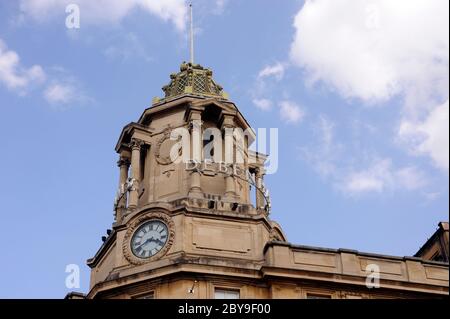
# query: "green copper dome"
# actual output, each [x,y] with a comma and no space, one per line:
[193,79]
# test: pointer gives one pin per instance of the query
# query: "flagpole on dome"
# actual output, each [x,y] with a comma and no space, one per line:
[191,34]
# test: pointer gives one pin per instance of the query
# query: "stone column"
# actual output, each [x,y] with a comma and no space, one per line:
[260,201]
[124,165]
[227,129]
[230,189]
[197,147]
[135,146]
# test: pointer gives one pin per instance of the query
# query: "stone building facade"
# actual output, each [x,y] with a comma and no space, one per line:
[436,247]
[188,226]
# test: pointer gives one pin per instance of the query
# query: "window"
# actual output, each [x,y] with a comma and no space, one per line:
[317,296]
[437,257]
[208,148]
[226,294]
[150,295]
[353,296]
[143,156]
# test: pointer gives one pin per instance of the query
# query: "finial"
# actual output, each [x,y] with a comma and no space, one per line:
[191,33]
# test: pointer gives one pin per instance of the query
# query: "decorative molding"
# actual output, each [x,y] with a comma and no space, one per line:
[193,79]
[195,125]
[275,235]
[134,225]
[136,144]
[353,295]
[163,159]
[168,172]
[123,161]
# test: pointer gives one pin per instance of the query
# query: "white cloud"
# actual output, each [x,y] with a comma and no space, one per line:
[323,156]
[108,11]
[375,50]
[382,176]
[62,90]
[290,112]
[326,127]
[356,171]
[264,86]
[432,196]
[276,71]
[430,136]
[363,182]
[14,75]
[59,93]
[410,178]
[263,104]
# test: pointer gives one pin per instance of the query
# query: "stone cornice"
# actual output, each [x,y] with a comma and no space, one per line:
[183,264]
[269,272]
[127,132]
[258,272]
[174,209]
[186,99]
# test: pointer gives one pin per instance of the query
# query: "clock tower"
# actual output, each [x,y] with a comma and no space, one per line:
[185,224]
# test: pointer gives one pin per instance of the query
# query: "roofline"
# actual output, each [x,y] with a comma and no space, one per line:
[92,262]
[127,129]
[75,293]
[430,240]
[189,97]
[352,251]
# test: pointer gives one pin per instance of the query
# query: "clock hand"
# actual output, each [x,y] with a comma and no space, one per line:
[145,242]
[158,241]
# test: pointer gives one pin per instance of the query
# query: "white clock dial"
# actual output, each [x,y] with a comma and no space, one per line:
[149,239]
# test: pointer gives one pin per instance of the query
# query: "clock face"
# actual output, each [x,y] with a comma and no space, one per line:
[149,239]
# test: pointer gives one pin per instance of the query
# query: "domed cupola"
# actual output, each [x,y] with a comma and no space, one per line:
[193,79]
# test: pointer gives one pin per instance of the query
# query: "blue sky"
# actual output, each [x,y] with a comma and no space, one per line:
[357,89]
